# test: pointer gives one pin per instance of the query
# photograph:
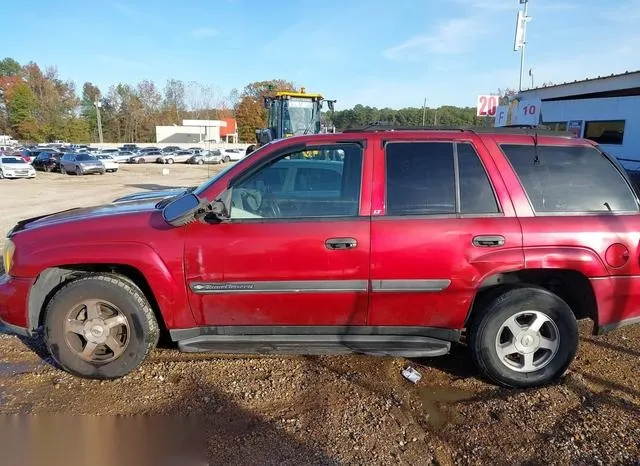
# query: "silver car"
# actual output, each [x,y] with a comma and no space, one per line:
[207,156]
[180,156]
[80,164]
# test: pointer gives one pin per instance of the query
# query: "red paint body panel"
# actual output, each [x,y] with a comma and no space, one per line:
[618,299]
[389,249]
[14,294]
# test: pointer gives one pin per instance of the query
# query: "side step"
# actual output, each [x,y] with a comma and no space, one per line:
[377,345]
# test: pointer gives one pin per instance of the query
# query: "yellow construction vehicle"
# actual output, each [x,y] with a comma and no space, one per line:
[291,113]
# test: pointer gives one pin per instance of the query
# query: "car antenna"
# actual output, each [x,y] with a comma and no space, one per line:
[536,160]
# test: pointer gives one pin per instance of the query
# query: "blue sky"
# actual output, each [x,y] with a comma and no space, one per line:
[372,52]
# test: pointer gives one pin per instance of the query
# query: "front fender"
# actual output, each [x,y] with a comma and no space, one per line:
[168,288]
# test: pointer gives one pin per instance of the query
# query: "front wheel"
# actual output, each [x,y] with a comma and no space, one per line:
[79,171]
[100,326]
[200,162]
[524,338]
[141,160]
[169,161]
[227,159]
[63,170]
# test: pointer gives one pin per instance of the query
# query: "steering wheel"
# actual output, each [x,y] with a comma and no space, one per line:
[270,207]
[251,201]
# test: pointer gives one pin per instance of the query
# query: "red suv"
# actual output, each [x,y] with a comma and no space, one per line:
[378,242]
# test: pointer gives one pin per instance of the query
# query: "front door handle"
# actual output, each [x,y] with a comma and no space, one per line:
[488,241]
[340,243]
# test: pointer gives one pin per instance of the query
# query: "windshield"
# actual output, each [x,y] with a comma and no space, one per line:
[299,116]
[84,157]
[12,160]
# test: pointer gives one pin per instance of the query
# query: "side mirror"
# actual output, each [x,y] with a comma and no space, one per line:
[330,104]
[181,211]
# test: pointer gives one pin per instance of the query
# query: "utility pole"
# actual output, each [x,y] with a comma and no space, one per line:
[424,112]
[521,37]
[435,117]
[98,104]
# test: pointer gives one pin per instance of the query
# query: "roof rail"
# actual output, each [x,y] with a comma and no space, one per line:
[512,129]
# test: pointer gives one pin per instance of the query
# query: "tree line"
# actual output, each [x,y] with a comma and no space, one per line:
[36,105]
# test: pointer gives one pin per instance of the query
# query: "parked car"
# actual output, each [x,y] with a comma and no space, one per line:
[398,243]
[209,156]
[180,156]
[15,167]
[145,157]
[109,162]
[171,149]
[129,147]
[233,155]
[80,164]
[47,161]
[123,156]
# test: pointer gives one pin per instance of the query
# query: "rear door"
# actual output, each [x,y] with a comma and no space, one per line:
[440,227]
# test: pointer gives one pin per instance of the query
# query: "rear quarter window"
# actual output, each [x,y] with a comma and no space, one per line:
[570,179]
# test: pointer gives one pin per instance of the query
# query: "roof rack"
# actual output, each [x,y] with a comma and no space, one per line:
[513,129]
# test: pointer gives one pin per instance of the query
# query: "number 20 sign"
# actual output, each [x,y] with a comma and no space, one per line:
[487,104]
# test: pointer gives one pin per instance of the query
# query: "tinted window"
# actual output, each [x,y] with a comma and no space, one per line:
[84,157]
[297,186]
[317,179]
[420,178]
[605,132]
[476,193]
[11,160]
[570,179]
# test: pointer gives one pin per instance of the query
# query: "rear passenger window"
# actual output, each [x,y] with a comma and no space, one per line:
[420,178]
[570,179]
[476,193]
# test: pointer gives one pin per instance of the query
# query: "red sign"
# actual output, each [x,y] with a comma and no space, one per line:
[486,105]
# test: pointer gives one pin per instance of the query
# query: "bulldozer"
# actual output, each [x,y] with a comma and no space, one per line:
[291,113]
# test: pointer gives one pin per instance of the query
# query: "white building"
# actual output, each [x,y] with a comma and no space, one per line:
[197,131]
[603,109]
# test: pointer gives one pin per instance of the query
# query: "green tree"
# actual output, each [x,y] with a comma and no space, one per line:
[10,67]
[22,106]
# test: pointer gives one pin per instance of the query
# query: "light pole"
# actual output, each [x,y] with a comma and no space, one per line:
[521,36]
[424,112]
[98,104]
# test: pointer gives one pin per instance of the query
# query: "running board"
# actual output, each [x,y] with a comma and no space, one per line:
[377,345]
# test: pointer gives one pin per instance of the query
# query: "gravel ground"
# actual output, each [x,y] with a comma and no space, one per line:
[331,410]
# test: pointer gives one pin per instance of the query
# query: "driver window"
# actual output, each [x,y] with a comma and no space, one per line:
[302,185]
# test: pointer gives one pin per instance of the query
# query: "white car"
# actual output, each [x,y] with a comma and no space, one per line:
[109,162]
[15,167]
[233,155]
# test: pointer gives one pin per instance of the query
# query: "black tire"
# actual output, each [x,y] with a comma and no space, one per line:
[63,170]
[1,175]
[169,161]
[227,159]
[484,329]
[132,303]
[79,171]
[141,160]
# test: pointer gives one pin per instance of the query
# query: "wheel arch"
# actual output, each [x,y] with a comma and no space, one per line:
[571,285]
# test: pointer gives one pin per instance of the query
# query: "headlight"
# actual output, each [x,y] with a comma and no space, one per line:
[7,255]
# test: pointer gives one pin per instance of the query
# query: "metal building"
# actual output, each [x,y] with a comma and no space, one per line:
[603,109]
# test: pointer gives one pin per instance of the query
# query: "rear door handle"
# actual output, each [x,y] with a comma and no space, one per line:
[488,241]
[340,243]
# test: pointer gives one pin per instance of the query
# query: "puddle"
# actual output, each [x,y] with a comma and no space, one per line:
[434,397]
[10,369]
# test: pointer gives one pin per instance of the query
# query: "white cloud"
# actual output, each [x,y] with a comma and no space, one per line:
[454,36]
[204,32]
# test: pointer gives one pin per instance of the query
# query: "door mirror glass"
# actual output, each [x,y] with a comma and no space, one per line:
[181,211]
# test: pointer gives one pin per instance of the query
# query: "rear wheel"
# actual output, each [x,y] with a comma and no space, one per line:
[200,162]
[525,337]
[100,326]
[79,171]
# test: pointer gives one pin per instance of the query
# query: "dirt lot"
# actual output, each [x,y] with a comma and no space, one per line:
[332,410]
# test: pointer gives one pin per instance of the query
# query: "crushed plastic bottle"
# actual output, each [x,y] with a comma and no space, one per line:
[411,374]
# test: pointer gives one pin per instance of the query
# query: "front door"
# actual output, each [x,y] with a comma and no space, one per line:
[296,250]
[443,228]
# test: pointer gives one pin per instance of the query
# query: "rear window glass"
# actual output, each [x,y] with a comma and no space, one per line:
[570,179]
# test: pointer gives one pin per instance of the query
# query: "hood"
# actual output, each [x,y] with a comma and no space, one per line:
[83,213]
[156,194]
